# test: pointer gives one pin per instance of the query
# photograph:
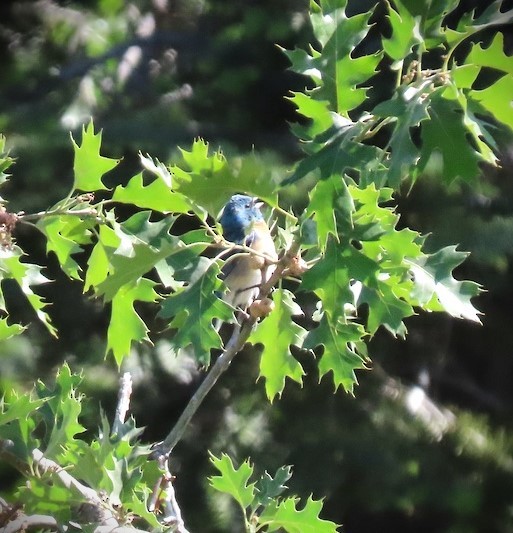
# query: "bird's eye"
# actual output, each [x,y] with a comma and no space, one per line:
[248,206]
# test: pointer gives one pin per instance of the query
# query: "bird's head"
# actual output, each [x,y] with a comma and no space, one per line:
[238,217]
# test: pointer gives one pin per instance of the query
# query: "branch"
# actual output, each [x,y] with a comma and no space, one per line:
[233,347]
[103,515]
[125,391]
[13,520]
[88,212]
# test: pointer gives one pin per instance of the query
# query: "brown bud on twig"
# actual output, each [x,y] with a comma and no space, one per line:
[261,308]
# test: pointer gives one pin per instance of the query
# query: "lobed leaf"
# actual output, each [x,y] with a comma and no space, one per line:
[126,326]
[191,311]
[233,481]
[208,181]
[157,196]
[286,515]
[277,333]
[433,279]
[26,275]
[89,166]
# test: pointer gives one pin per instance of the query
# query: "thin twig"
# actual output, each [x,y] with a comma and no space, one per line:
[89,212]
[172,514]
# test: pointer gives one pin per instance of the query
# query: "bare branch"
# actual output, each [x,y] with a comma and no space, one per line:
[125,391]
[105,515]
[36,521]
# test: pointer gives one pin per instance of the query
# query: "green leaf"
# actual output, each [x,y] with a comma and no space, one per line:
[330,201]
[446,134]
[61,411]
[277,333]
[286,515]
[433,280]
[429,16]
[409,108]
[317,111]
[62,239]
[468,25]
[9,330]
[192,310]
[16,406]
[156,196]
[337,151]
[268,487]
[157,168]
[330,278]
[341,341]
[338,75]
[233,481]
[126,326]
[208,180]
[496,98]
[405,33]
[26,275]
[89,166]
[387,305]
[139,246]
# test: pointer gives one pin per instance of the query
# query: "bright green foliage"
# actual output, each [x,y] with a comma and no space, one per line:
[234,481]
[364,272]
[422,99]
[261,501]
[89,165]
[26,275]
[277,362]
[208,180]
[47,418]
[287,516]
[361,272]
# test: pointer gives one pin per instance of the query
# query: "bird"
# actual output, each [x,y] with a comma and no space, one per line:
[242,223]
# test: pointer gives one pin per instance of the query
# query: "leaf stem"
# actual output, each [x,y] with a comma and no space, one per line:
[89,212]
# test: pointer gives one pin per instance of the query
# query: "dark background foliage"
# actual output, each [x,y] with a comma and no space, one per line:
[155,74]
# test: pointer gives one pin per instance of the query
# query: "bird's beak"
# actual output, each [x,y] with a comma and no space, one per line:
[257,204]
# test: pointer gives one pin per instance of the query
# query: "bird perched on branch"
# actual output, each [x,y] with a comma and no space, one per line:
[244,273]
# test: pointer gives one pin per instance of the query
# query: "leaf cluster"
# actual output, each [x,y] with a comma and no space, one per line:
[113,464]
[262,502]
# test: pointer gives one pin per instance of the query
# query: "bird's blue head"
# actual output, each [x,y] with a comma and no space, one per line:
[238,217]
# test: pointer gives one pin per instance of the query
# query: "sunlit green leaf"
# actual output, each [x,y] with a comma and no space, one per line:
[62,239]
[277,333]
[233,481]
[156,195]
[26,275]
[208,180]
[329,200]
[9,330]
[405,33]
[89,166]
[286,515]
[433,278]
[126,326]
